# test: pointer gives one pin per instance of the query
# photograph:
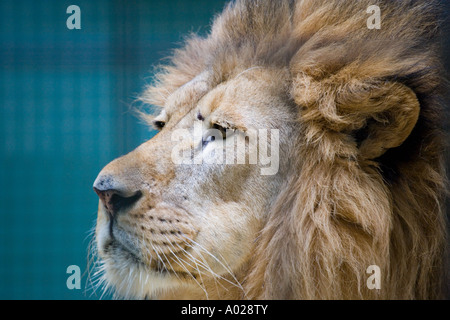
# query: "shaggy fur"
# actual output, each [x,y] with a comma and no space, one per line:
[362,194]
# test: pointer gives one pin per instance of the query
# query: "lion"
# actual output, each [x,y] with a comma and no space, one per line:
[354,209]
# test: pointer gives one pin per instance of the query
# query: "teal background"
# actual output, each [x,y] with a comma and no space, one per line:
[65,107]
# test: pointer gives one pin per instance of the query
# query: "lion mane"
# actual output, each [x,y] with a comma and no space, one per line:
[367,182]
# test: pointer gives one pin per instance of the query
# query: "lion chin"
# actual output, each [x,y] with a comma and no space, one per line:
[299,156]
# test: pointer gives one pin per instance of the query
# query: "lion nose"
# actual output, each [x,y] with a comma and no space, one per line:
[114,197]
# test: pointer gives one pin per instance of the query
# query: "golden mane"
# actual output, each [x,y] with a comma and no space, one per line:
[352,201]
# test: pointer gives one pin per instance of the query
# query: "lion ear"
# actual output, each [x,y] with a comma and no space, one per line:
[390,127]
[379,115]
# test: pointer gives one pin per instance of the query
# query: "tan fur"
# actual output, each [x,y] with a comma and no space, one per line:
[361,179]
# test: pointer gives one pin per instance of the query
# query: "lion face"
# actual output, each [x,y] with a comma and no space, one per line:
[297,148]
[165,222]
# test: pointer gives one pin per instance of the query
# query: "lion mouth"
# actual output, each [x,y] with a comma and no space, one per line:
[122,240]
[117,249]
[122,246]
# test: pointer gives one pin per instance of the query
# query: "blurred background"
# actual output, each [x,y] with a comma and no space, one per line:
[66,97]
[65,113]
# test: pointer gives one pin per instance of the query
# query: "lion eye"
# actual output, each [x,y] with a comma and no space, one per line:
[159,124]
[222,130]
[216,132]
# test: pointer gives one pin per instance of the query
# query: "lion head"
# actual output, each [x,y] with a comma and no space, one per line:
[297,148]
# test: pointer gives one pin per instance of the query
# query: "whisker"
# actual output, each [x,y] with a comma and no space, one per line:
[226,267]
[168,261]
[188,272]
[205,266]
[159,257]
